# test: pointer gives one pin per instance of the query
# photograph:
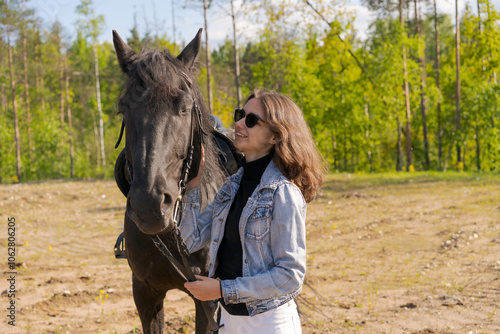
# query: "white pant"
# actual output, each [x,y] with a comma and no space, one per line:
[281,320]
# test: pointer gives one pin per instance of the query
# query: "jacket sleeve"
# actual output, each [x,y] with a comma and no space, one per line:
[195,227]
[288,248]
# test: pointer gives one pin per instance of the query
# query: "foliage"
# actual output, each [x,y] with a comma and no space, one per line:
[350,89]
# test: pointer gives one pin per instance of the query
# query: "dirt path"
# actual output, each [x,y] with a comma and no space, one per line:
[398,256]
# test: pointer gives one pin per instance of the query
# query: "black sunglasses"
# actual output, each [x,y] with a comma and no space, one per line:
[251,119]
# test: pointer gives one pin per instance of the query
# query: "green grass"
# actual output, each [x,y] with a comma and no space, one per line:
[347,181]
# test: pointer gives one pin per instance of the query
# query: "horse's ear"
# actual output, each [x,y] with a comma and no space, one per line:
[124,53]
[190,52]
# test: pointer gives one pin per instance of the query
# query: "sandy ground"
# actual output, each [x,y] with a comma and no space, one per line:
[407,255]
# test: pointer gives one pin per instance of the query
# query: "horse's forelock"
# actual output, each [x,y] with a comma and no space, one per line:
[159,72]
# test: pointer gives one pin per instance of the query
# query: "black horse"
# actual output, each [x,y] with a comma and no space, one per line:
[164,114]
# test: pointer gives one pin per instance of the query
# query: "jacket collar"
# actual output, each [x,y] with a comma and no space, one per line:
[271,176]
[269,179]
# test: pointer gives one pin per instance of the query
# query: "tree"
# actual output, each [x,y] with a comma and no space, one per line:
[92,26]
[207,54]
[423,85]
[9,19]
[386,7]
[70,122]
[406,93]
[438,85]
[236,58]
[353,92]
[457,92]
[24,27]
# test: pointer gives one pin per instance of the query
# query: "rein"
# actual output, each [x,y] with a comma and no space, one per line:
[183,269]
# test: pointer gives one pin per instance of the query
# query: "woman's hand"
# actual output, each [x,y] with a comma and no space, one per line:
[195,183]
[204,288]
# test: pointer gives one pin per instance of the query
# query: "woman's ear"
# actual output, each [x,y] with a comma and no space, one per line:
[274,139]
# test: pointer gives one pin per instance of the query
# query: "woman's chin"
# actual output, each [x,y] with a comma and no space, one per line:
[238,144]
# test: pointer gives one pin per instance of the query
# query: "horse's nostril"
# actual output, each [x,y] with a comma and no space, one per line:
[167,200]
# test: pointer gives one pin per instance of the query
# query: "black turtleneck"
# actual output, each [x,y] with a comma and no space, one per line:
[230,254]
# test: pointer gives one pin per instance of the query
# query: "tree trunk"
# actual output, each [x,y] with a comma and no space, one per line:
[334,149]
[407,94]
[14,106]
[61,114]
[207,51]
[27,92]
[61,93]
[399,148]
[236,59]
[4,98]
[457,86]
[42,84]
[452,142]
[353,153]
[478,143]
[478,149]
[345,151]
[37,79]
[369,153]
[423,86]
[70,126]
[438,85]
[96,143]
[99,108]
[464,156]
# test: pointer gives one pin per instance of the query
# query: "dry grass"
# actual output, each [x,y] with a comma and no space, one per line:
[390,253]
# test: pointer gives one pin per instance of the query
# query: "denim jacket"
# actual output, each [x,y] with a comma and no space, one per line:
[273,237]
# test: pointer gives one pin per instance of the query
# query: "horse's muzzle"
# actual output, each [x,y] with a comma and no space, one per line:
[151,217]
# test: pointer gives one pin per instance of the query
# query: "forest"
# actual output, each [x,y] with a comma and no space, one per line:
[418,91]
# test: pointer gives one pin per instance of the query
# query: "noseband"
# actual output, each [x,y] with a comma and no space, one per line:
[184,269]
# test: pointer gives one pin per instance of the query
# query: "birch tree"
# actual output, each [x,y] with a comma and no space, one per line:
[92,26]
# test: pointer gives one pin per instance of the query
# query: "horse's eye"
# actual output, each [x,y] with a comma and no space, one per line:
[123,107]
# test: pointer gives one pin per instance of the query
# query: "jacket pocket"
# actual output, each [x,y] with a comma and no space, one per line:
[221,200]
[222,197]
[259,222]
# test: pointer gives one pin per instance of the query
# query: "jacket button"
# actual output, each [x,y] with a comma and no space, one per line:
[246,260]
[216,241]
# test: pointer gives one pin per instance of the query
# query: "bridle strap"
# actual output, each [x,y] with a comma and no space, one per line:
[186,166]
[185,271]
[121,134]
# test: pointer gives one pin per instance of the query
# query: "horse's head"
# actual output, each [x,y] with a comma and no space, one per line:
[158,108]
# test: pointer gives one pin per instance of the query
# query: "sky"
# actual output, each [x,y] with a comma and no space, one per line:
[157,16]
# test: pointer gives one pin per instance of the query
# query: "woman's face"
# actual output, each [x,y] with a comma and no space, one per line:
[257,141]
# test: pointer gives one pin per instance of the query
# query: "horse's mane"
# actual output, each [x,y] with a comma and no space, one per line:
[163,75]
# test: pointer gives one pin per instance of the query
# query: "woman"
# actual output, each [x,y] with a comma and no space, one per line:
[256,224]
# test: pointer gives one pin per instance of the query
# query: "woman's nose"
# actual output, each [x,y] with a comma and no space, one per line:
[240,124]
